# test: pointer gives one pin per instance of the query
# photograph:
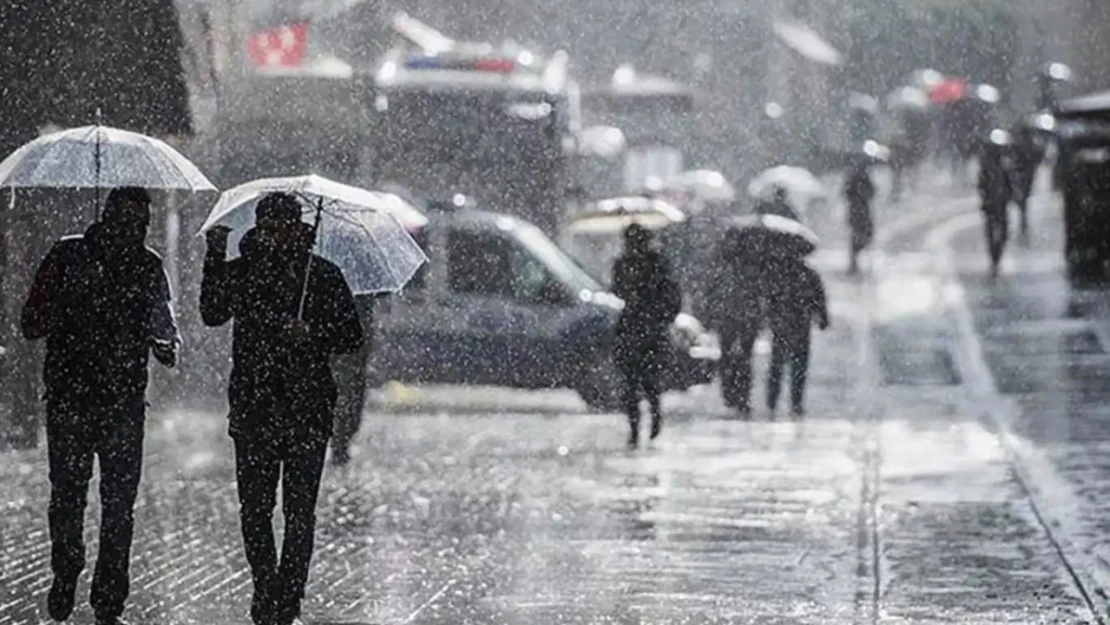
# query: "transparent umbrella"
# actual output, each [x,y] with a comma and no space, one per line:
[100,157]
[361,231]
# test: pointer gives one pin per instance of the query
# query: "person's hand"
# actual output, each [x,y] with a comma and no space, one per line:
[216,238]
[823,324]
[165,352]
[298,329]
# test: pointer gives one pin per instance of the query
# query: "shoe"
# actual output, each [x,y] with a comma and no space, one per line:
[656,428]
[60,600]
[798,411]
[633,441]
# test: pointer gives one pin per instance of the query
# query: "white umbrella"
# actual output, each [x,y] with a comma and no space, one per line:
[706,185]
[360,231]
[805,41]
[799,183]
[100,157]
[615,214]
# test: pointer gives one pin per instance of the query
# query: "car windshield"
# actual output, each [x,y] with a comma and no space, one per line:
[555,259]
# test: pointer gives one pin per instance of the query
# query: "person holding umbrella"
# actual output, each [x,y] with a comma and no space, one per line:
[293,311]
[102,302]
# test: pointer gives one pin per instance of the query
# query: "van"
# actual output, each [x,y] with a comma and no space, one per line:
[499,303]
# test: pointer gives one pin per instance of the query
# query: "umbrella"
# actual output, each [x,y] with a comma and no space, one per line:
[949,90]
[805,41]
[764,234]
[100,157]
[907,98]
[616,214]
[705,184]
[799,183]
[360,231]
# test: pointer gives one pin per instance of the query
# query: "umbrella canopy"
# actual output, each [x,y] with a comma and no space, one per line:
[361,231]
[616,214]
[799,183]
[805,41]
[949,90]
[706,185]
[907,98]
[771,234]
[100,157]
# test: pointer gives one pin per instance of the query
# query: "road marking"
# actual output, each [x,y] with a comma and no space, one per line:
[1051,497]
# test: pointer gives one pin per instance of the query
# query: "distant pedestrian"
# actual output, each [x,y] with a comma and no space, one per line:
[1028,154]
[293,311]
[102,302]
[795,300]
[652,298]
[995,192]
[859,191]
[736,314]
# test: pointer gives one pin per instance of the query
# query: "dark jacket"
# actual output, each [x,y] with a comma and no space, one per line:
[277,380]
[737,289]
[795,299]
[994,183]
[98,307]
[645,283]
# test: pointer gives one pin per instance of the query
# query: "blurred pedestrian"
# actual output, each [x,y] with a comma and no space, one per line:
[995,193]
[102,302]
[859,191]
[352,379]
[795,300]
[293,311]
[736,314]
[652,298]
[1028,154]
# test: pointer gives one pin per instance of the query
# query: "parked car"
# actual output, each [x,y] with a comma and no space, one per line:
[499,303]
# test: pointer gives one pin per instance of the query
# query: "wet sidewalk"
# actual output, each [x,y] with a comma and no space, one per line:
[1047,347]
[890,502]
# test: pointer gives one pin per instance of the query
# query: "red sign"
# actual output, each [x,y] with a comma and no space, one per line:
[283,46]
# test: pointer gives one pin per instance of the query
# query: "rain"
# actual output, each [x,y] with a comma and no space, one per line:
[402,312]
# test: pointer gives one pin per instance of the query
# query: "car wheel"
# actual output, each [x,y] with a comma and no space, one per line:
[599,383]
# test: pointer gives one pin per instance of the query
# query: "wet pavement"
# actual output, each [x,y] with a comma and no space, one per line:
[896,500]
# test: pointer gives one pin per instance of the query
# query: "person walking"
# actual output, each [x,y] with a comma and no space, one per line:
[293,311]
[859,191]
[652,298]
[736,315]
[795,300]
[102,302]
[995,192]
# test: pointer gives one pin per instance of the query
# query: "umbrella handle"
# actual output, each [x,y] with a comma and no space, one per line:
[308,265]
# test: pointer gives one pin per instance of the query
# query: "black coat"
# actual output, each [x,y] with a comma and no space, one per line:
[645,283]
[795,299]
[279,381]
[98,308]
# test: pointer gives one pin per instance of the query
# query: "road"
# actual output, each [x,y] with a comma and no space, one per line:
[948,471]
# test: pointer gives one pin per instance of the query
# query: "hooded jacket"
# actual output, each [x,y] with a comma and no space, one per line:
[98,305]
[280,381]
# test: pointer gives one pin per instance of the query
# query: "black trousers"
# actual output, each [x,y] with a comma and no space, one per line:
[641,361]
[260,463]
[997,230]
[351,378]
[736,364]
[791,348]
[112,432]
